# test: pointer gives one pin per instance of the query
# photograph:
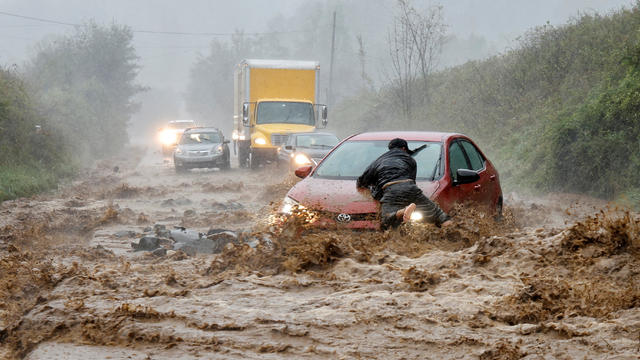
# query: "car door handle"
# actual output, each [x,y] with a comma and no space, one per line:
[477,187]
[492,178]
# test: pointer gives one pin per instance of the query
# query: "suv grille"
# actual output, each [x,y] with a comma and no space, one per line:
[279,139]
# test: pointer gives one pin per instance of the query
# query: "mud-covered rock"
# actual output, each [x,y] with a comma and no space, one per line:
[221,239]
[147,243]
[184,235]
[159,252]
[185,248]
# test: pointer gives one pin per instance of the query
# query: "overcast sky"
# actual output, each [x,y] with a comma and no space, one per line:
[166,59]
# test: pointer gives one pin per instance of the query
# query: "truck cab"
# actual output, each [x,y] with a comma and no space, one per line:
[274,98]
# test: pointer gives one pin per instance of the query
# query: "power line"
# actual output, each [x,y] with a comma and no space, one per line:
[182,33]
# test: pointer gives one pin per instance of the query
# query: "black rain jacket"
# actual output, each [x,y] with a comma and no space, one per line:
[393,165]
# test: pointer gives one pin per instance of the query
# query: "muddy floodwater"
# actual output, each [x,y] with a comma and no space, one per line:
[557,278]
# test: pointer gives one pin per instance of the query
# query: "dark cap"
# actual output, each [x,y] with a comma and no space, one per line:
[398,143]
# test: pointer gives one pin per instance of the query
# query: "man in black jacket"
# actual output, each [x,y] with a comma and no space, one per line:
[392,180]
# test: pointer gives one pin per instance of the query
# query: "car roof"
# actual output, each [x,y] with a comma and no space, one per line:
[407,135]
[203,128]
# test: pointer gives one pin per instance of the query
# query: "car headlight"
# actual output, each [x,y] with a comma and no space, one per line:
[179,151]
[219,149]
[302,159]
[416,216]
[260,141]
[288,204]
[168,137]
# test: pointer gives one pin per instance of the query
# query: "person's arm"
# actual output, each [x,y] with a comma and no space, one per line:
[413,170]
[368,177]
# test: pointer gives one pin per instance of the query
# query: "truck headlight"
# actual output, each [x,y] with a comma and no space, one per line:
[302,159]
[261,141]
[288,204]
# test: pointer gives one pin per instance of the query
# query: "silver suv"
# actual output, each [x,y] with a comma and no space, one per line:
[202,147]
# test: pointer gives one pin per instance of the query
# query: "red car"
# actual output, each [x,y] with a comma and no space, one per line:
[451,170]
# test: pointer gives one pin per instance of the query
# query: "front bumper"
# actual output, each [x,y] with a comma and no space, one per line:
[199,160]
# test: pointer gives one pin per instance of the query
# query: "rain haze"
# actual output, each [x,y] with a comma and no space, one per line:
[486,28]
[339,179]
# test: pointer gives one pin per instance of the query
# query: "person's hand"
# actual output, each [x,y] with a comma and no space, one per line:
[446,224]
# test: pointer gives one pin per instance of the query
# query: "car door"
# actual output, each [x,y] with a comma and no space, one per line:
[482,189]
[458,160]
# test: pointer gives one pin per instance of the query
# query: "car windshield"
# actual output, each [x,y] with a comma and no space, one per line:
[200,138]
[319,141]
[351,158]
[283,112]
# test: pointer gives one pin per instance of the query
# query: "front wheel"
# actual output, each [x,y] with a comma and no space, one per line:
[227,163]
[243,157]
[498,211]
[253,161]
[179,168]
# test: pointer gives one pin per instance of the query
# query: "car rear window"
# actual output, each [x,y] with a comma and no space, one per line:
[351,158]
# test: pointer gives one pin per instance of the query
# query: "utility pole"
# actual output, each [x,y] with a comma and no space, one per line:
[333,42]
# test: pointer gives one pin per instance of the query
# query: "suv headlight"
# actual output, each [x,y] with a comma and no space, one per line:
[288,204]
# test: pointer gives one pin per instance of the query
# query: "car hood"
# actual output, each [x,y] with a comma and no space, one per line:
[198,147]
[314,153]
[341,196]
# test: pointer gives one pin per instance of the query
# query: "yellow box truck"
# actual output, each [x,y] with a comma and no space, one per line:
[273,98]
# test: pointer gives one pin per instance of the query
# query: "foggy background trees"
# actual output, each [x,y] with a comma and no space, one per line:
[85,84]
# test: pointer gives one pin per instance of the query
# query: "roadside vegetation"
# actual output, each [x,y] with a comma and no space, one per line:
[560,112]
[69,105]
[31,160]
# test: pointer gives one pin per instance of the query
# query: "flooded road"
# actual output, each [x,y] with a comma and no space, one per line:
[557,278]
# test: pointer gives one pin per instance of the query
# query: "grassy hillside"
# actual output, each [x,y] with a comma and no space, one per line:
[557,113]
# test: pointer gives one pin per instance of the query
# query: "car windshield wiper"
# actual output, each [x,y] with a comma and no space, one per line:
[435,169]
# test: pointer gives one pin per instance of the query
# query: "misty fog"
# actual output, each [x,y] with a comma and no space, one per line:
[475,30]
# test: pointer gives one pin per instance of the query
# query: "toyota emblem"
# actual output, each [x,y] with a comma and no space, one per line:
[343,218]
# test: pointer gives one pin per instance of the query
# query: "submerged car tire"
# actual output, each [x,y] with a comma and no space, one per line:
[243,157]
[498,211]
[254,162]
[227,163]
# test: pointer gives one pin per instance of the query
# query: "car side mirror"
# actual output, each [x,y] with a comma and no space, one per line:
[466,176]
[303,171]
[226,142]
[245,114]
[288,147]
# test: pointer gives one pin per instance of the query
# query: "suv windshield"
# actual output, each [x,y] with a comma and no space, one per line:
[200,138]
[316,141]
[284,112]
[350,159]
